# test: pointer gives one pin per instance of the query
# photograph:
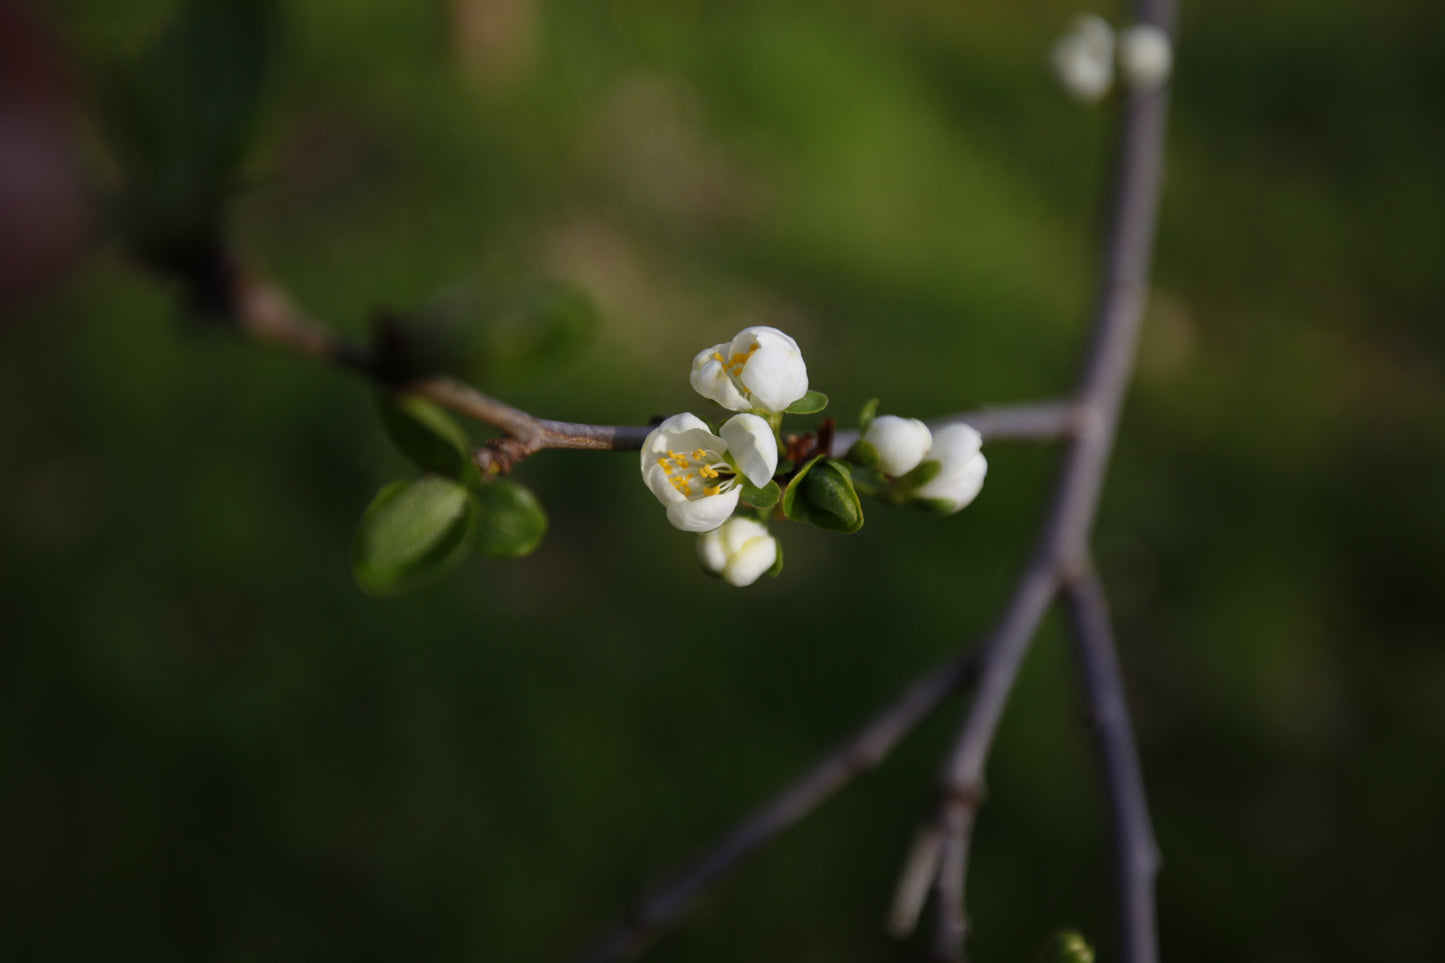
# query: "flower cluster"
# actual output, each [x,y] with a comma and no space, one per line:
[702,476]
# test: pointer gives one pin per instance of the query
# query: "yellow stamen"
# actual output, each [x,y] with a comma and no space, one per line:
[700,455]
[707,471]
[712,490]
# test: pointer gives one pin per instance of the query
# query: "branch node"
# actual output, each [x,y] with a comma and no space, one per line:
[500,455]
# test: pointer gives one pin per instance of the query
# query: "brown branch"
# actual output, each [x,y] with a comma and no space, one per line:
[1136,854]
[264,312]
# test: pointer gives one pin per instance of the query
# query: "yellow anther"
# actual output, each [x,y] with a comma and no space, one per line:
[707,471]
[700,455]
[712,490]
[681,484]
[666,465]
[718,357]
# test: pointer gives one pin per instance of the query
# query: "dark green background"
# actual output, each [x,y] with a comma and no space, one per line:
[214,747]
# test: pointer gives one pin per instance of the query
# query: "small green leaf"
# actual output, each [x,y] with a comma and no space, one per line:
[794,507]
[765,497]
[777,568]
[833,503]
[810,404]
[510,522]
[926,472]
[864,454]
[411,534]
[1067,947]
[427,435]
[865,417]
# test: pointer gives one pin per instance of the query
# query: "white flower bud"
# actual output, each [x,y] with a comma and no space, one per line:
[962,470]
[740,551]
[760,368]
[1145,56]
[1083,58]
[684,465]
[901,443]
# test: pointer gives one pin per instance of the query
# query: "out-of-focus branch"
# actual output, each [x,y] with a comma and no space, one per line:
[1061,552]
[1136,854]
[865,750]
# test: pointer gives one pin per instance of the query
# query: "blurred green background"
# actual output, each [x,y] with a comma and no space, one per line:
[214,747]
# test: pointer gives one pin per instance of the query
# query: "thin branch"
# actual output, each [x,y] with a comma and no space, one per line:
[865,750]
[264,312]
[1136,854]
[1062,543]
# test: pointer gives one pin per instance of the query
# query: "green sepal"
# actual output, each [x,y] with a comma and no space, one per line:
[926,472]
[938,506]
[777,568]
[832,501]
[426,435]
[794,507]
[864,454]
[412,533]
[1066,947]
[866,416]
[810,404]
[765,497]
[509,520]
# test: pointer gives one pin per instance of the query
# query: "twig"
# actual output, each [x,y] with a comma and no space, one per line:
[865,750]
[1136,854]
[1062,544]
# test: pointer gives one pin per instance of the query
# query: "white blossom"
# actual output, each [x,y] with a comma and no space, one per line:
[962,468]
[695,472]
[740,551]
[1083,58]
[1145,56]
[761,368]
[901,443]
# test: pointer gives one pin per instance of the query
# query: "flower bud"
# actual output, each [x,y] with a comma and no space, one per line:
[1083,58]
[1145,56]
[760,368]
[961,472]
[901,443]
[740,551]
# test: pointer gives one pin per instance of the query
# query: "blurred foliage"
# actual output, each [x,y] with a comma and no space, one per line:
[215,747]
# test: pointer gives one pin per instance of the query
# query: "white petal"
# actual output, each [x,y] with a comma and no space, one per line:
[703,514]
[956,444]
[711,551]
[755,557]
[775,376]
[1083,58]
[750,441]
[657,480]
[959,485]
[710,379]
[901,443]
[738,531]
[661,438]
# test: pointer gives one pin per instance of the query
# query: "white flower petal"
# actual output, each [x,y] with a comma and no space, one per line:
[710,379]
[751,560]
[737,532]
[703,514]
[1083,58]
[1146,56]
[750,441]
[711,550]
[659,439]
[901,443]
[963,467]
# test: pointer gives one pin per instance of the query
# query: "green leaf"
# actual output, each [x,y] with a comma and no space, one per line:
[833,502]
[925,472]
[765,497]
[864,454]
[411,534]
[777,568]
[794,507]
[427,435]
[510,522]
[810,404]
[866,416]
